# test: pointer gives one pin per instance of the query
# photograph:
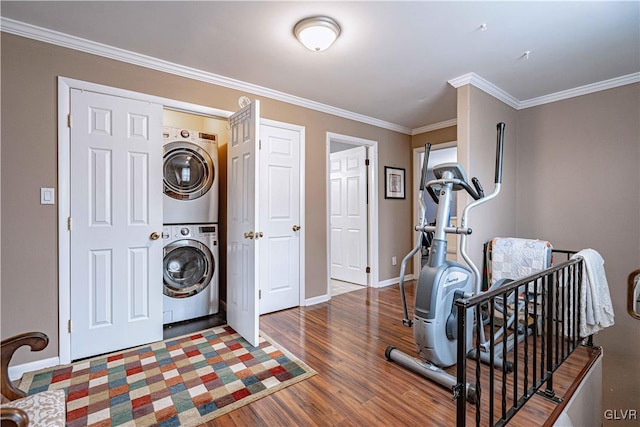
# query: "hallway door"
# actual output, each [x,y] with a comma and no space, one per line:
[280,190]
[349,221]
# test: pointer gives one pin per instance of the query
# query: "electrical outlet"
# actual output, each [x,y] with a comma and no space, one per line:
[394,261]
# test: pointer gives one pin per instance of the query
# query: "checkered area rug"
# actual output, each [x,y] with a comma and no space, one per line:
[179,382]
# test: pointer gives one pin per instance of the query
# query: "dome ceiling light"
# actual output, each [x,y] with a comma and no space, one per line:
[317,33]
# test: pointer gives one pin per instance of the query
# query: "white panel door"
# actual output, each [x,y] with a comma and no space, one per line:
[116,207]
[242,217]
[279,218]
[348,198]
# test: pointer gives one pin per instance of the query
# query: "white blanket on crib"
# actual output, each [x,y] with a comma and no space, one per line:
[596,309]
[514,258]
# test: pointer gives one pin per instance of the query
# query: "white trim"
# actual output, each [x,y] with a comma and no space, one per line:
[435,126]
[22,29]
[83,45]
[16,372]
[64,212]
[372,232]
[484,85]
[317,300]
[301,131]
[395,281]
[582,90]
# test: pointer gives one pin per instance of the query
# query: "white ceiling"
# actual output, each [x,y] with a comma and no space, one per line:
[392,61]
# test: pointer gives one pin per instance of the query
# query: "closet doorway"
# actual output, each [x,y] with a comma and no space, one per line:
[351,213]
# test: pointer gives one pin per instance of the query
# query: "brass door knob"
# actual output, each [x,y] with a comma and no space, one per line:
[249,235]
[259,234]
[296,228]
[155,235]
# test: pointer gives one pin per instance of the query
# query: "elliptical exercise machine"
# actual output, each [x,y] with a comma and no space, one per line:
[441,282]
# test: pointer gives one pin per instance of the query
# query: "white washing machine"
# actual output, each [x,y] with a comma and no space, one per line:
[190,271]
[190,168]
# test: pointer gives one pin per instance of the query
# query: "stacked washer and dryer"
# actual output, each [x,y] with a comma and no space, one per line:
[190,231]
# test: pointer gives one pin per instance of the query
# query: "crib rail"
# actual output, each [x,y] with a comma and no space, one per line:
[545,334]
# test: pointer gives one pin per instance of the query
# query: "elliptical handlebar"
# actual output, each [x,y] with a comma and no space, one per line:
[422,199]
[465,214]
[499,151]
[423,178]
[476,183]
[473,193]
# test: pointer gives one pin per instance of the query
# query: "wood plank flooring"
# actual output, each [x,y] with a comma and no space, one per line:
[344,341]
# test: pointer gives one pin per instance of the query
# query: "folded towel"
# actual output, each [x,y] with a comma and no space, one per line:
[596,309]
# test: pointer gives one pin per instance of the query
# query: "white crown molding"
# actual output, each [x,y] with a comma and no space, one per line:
[486,86]
[582,90]
[491,89]
[72,42]
[435,126]
[76,43]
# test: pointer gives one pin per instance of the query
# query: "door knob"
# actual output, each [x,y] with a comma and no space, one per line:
[249,235]
[259,234]
[155,235]
[296,228]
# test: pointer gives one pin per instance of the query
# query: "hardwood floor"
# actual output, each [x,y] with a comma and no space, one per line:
[344,341]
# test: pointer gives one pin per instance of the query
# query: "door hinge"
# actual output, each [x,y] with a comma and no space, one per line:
[69,325]
[366,162]
[259,293]
[69,223]
[69,120]
[368,270]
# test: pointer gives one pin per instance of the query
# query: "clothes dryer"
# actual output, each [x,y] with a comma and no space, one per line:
[190,271]
[190,169]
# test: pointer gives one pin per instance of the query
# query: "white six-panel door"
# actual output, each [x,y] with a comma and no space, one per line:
[242,216]
[279,264]
[348,199]
[116,207]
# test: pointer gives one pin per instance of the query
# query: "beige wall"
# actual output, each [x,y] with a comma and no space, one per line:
[571,176]
[578,181]
[29,143]
[478,115]
[437,136]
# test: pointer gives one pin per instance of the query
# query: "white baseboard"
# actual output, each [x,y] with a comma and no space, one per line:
[317,300]
[393,281]
[15,372]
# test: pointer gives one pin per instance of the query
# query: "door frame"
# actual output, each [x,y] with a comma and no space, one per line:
[417,170]
[301,255]
[65,85]
[372,210]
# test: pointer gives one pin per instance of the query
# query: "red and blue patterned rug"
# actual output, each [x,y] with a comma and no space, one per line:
[178,382]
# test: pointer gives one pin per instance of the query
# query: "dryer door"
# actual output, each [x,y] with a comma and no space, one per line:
[188,268]
[188,171]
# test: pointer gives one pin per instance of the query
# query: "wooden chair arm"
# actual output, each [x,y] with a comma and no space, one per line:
[36,340]
[15,416]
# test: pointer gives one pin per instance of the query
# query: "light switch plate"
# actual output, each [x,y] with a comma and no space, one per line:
[47,196]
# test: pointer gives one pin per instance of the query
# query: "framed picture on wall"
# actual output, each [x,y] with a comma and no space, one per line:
[394,183]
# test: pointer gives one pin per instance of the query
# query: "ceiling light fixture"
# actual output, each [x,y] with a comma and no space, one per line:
[317,33]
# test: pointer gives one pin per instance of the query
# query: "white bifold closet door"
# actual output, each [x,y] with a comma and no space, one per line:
[115,223]
[243,254]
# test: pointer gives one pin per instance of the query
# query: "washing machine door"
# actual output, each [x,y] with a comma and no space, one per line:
[188,171]
[188,268]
